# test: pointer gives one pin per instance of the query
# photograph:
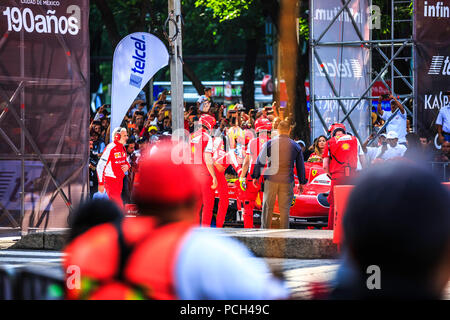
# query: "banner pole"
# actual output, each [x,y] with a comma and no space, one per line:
[176,69]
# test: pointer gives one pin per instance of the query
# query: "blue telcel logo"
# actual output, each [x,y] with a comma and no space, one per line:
[139,62]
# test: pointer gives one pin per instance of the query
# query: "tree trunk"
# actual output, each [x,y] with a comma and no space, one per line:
[109,22]
[302,129]
[248,74]
[95,77]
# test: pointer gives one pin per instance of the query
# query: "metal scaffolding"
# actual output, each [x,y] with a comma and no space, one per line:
[14,109]
[393,53]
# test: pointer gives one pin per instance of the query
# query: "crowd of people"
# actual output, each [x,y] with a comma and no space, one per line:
[161,254]
[234,128]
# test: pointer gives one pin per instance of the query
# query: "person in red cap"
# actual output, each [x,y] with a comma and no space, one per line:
[263,129]
[201,145]
[340,161]
[161,254]
[113,165]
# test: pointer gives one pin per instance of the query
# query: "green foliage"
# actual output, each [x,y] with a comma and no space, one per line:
[205,32]
[225,9]
[303,27]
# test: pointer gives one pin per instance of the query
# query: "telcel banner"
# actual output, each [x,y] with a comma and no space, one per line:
[339,67]
[137,58]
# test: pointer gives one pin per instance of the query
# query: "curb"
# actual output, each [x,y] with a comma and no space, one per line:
[273,243]
[289,244]
[54,240]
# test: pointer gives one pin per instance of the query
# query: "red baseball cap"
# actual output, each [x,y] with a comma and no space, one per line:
[162,181]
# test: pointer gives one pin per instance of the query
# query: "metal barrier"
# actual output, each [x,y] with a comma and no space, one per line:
[441,170]
[31,283]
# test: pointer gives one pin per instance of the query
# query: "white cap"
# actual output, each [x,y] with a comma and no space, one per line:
[301,142]
[392,135]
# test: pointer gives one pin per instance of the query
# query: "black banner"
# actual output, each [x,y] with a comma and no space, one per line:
[432,61]
[44,110]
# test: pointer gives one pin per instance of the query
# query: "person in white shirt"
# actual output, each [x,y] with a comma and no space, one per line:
[392,149]
[443,121]
[398,123]
[204,102]
[371,152]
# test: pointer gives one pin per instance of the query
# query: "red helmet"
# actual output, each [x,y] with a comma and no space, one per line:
[263,124]
[162,180]
[208,121]
[334,127]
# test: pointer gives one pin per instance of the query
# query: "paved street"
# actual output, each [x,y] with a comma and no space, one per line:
[18,258]
[298,273]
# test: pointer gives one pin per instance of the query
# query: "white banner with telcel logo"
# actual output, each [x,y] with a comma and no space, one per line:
[136,59]
[346,65]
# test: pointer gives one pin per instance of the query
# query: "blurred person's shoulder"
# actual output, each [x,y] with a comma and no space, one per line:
[206,254]
[209,245]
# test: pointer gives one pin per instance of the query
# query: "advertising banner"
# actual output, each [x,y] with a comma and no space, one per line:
[432,62]
[136,59]
[346,66]
[44,111]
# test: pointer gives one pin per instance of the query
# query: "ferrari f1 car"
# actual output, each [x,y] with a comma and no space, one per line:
[309,208]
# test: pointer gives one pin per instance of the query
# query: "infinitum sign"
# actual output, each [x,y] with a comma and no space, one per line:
[432,61]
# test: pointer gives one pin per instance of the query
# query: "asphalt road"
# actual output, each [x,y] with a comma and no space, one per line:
[299,274]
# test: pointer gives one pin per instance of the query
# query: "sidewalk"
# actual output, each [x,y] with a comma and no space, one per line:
[7,242]
[274,243]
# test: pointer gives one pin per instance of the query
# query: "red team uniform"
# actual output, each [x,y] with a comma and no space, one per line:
[201,143]
[220,165]
[343,154]
[109,170]
[253,149]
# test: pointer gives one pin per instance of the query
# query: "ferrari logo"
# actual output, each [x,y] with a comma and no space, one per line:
[258,200]
[345,146]
[314,172]
[193,149]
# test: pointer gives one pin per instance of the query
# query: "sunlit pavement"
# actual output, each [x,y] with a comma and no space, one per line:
[299,273]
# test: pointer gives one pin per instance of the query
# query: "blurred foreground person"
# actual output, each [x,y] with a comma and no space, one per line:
[400,228]
[160,254]
[92,213]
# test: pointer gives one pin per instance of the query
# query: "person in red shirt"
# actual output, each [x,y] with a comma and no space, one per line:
[160,254]
[263,129]
[221,163]
[340,160]
[201,145]
[113,165]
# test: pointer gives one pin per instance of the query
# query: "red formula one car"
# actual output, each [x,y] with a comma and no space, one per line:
[309,208]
